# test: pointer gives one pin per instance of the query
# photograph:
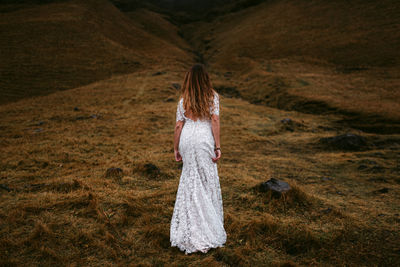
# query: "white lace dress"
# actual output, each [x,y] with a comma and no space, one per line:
[197,222]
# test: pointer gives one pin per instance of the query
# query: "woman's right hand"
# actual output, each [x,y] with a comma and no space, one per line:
[178,156]
[217,155]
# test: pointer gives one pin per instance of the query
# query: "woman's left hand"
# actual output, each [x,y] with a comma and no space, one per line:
[178,156]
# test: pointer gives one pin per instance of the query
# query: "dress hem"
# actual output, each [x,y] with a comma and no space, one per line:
[204,250]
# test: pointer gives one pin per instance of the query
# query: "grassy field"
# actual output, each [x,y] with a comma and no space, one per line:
[60,207]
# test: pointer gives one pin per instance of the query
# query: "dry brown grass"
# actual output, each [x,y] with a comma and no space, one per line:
[63,208]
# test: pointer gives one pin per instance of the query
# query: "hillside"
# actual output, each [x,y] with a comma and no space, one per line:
[312,56]
[88,176]
[57,46]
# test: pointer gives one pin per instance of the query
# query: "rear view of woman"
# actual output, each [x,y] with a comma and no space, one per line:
[197,222]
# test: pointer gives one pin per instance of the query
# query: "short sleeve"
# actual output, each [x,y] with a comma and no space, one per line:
[215,109]
[179,111]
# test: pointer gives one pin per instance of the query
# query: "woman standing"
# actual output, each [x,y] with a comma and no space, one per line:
[197,222]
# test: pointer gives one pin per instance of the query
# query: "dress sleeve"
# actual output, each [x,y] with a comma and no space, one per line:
[215,108]
[179,111]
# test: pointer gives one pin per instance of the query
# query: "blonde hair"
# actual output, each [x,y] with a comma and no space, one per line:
[197,91]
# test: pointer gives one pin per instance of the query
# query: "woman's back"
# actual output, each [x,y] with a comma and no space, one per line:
[184,115]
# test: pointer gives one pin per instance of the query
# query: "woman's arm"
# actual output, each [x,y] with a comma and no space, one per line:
[215,131]
[177,135]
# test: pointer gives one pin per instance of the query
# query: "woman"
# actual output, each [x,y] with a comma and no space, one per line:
[197,222]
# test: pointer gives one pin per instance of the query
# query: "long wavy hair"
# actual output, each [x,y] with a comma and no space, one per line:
[197,92]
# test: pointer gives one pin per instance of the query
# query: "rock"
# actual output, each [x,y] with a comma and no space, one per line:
[288,124]
[346,141]
[158,73]
[326,178]
[2,186]
[228,74]
[40,123]
[76,109]
[228,91]
[170,99]
[327,210]
[152,170]
[381,191]
[177,86]
[80,118]
[114,172]
[362,167]
[277,187]
[38,130]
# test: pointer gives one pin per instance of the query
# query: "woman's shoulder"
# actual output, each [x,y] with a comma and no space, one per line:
[180,102]
[216,95]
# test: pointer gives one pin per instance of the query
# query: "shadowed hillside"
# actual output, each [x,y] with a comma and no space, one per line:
[50,47]
[312,56]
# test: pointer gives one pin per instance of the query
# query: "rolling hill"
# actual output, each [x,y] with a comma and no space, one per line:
[61,45]
[312,56]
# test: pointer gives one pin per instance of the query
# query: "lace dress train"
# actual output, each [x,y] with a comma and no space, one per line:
[197,222]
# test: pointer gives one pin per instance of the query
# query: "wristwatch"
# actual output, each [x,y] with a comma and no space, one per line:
[217,148]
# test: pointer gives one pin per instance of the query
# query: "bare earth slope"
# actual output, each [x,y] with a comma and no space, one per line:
[46,48]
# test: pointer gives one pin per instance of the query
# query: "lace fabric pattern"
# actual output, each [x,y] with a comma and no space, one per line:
[197,223]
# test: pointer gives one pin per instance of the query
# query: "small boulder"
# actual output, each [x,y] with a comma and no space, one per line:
[158,73]
[228,91]
[152,170]
[346,141]
[327,210]
[381,191]
[287,124]
[228,74]
[170,99]
[277,187]
[177,86]
[5,187]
